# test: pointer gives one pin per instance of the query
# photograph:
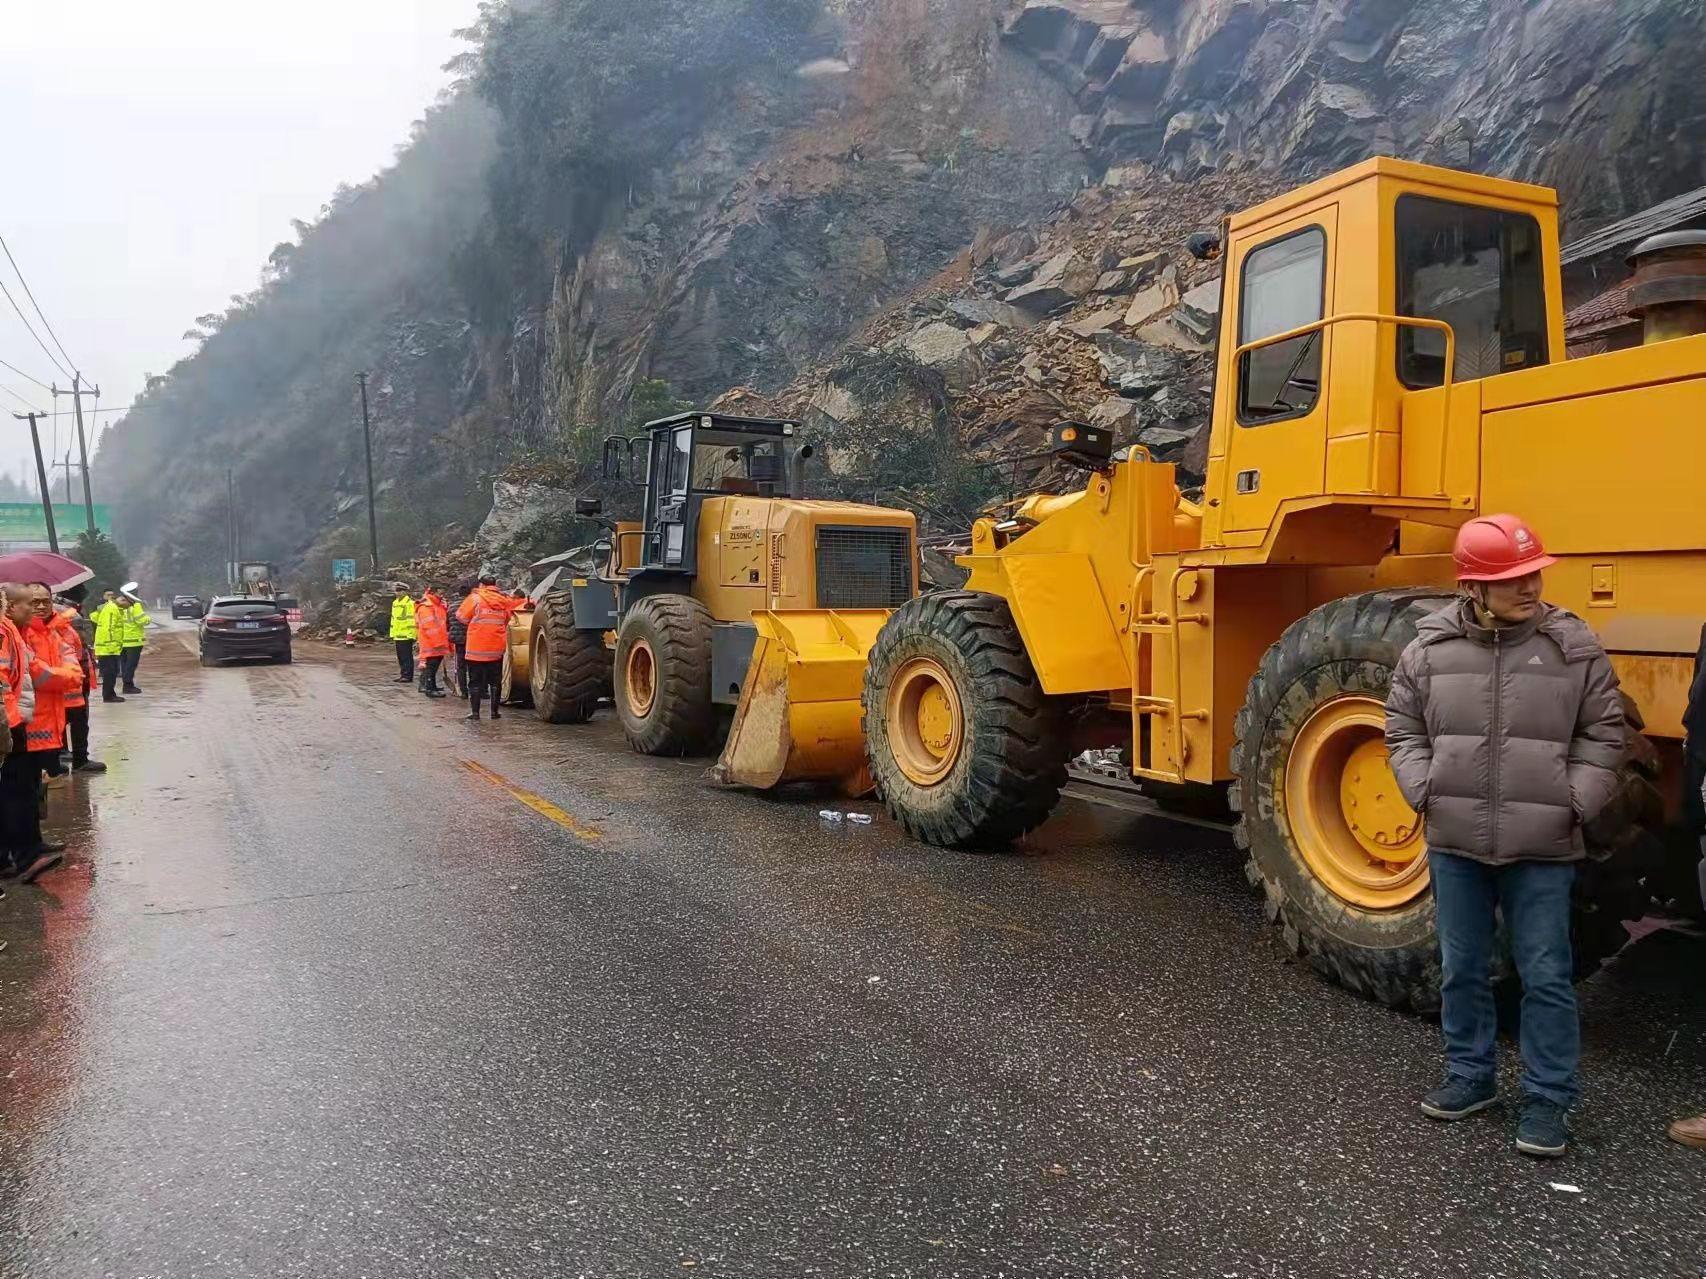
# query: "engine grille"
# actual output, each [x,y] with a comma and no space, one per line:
[863,567]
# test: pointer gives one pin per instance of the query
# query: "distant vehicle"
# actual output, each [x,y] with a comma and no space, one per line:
[256,577]
[189,606]
[243,626]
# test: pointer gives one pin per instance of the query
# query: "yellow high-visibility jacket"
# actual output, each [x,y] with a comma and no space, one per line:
[403,618]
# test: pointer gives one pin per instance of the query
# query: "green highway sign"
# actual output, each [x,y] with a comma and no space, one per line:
[23,521]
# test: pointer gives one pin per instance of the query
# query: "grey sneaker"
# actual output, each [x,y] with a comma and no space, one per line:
[1542,1130]
[1458,1098]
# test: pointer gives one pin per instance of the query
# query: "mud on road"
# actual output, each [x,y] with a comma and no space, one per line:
[335,984]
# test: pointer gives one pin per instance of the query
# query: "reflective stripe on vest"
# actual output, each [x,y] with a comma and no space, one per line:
[434,631]
[109,639]
[133,627]
[486,631]
[13,664]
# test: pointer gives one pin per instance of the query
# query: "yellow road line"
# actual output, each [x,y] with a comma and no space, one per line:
[538,803]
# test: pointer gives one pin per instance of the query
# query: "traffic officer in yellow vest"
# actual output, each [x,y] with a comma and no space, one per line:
[403,631]
[133,630]
[109,644]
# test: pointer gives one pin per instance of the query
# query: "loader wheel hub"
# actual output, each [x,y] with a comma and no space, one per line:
[642,678]
[1350,822]
[925,721]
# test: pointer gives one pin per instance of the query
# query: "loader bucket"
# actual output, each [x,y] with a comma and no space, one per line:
[798,718]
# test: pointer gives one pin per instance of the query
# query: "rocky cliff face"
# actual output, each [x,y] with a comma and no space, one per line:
[1595,98]
[806,205]
[945,224]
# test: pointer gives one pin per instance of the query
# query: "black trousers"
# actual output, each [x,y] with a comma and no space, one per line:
[20,803]
[110,667]
[131,657]
[77,733]
[462,667]
[485,679]
[406,659]
[429,671]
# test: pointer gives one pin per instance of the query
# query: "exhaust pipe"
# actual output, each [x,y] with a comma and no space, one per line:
[797,470]
[1668,290]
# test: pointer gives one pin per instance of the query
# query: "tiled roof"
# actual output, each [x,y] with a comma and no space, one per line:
[1665,216]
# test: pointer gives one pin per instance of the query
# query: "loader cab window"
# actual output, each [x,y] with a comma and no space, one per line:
[1479,270]
[730,462]
[1283,287]
[680,460]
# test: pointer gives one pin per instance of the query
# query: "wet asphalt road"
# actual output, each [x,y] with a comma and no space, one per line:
[338,985]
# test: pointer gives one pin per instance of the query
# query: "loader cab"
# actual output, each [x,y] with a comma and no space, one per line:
[1355,309]
[692,457]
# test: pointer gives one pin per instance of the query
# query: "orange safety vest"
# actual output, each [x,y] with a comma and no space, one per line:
[74,652]
[487,612]
[432,627]
[54,672]
[14,661]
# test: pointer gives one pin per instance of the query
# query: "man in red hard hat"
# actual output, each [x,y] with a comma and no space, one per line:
[1506,732]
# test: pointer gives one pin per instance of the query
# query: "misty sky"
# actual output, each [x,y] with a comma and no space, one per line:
[156,150]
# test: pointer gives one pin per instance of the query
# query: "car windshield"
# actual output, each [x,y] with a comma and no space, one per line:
[245,608]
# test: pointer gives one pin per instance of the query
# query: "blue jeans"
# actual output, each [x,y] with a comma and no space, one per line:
[1535,900]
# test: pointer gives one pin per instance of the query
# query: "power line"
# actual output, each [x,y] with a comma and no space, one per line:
[35,304]
[21,400]
[44,386]
[26,319]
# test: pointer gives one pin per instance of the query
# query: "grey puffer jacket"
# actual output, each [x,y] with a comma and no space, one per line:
[1506,740]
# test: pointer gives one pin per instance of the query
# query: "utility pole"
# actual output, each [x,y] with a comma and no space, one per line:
[41,478]
[77,393]
[83,453]
[367,442]
[230,529]
[66,467]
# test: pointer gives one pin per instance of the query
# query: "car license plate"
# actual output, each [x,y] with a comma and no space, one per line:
[248,626]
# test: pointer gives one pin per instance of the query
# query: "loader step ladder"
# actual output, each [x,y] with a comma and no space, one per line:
[1148,706]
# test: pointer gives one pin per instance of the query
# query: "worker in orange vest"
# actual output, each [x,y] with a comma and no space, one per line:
[65,624]
[487,611]
[432,627]
[17,797]
[51,671]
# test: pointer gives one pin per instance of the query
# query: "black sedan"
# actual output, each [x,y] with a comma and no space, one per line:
[244,626]
[187,606]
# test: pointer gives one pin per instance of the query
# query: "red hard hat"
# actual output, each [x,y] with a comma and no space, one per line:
[1494,548]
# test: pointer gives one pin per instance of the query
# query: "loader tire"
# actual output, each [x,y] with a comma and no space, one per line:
[570,669]
[509,692]
[663,676]
[1315,702]
[966,749]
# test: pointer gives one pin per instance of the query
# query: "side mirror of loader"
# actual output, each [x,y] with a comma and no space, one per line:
[621,460]
[588,507]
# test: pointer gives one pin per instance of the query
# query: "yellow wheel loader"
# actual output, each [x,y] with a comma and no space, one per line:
[1390,363]
[732,591]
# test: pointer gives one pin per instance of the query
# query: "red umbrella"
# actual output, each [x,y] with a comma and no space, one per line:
[59,572]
